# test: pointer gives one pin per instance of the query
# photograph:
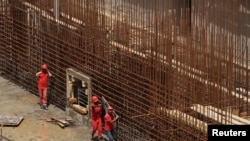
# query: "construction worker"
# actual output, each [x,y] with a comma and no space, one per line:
[43,78]
[96,117]
[110,121]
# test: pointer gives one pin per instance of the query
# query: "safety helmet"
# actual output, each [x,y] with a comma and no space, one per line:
[44,66]
[110,108]
[94,98]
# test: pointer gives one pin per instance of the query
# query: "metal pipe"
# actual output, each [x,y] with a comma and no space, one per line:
[56,9]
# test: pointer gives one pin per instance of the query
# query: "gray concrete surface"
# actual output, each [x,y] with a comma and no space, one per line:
[15,101]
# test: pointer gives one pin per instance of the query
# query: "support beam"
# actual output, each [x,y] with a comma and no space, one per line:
[183,117]
[219,115]
[237,118]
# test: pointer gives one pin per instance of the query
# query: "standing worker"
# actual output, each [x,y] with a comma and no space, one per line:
[96,117]
[43,78]
[110,121]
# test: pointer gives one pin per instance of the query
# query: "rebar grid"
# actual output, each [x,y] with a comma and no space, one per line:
[161,63]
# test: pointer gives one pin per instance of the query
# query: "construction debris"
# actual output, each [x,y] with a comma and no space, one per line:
[10,120]
[61,122]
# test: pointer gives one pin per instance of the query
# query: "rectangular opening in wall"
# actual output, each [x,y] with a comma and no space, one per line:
[78,94]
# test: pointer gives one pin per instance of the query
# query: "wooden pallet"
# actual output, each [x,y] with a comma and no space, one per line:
[10,120]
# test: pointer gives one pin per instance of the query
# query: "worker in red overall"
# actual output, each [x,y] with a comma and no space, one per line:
[43,77]
[96,117]
[110,122]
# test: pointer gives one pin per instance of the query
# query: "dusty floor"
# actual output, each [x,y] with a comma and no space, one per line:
[34,127]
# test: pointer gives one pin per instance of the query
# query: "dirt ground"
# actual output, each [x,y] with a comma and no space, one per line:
[15,101]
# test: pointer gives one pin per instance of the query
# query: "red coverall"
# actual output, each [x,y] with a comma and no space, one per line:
[109,126]
[42,87]
[96,120]
[108,118]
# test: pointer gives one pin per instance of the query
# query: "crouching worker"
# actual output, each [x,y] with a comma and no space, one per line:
[110,122]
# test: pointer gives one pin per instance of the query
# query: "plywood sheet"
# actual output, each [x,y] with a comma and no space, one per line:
[10,120]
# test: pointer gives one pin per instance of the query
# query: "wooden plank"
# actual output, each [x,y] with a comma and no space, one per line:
[213,115]
[64,122]
[187,119]
[237,118]
[60,124]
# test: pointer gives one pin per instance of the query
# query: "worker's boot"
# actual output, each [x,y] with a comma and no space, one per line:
[100,139]
[92,137]
[44,107]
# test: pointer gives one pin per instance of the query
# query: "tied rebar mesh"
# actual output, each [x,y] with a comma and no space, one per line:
[169,67]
